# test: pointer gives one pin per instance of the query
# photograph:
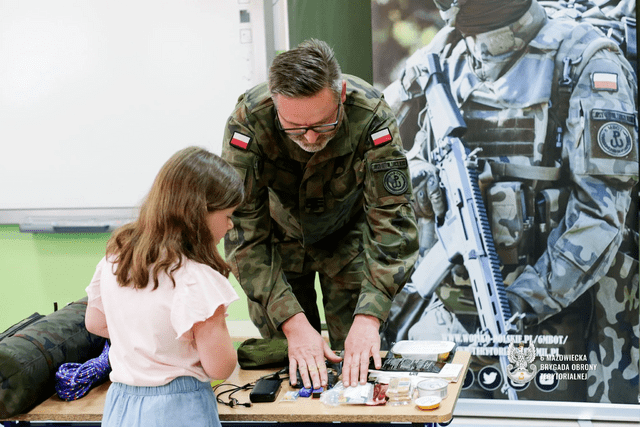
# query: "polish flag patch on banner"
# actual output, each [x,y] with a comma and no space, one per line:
[239,140]
[381,136]
[605,81]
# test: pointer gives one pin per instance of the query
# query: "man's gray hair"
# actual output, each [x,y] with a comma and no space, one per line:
[305,70]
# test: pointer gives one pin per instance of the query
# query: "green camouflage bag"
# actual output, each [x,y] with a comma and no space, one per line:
[21,325]
[32,352]
[258,353]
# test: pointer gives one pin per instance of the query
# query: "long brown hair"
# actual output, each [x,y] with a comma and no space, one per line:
[172,219]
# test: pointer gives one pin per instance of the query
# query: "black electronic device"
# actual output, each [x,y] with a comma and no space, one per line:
[265,390]
[334,370]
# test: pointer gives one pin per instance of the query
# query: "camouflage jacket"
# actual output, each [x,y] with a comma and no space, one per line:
[352,196]
[504,86]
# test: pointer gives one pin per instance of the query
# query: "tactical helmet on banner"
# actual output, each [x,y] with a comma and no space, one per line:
[473,17]
[449,9]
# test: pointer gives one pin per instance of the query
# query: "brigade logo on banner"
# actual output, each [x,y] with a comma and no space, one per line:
[521,357]
[615,140]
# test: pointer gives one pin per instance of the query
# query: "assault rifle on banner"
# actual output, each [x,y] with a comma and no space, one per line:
[462,225]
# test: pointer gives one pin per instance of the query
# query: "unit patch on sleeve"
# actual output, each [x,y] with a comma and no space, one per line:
[612,131]
[604,81]
[381,136]
[395,182]
[240,140]
[614,139]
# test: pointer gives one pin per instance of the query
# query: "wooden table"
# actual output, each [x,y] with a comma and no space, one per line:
[91,406]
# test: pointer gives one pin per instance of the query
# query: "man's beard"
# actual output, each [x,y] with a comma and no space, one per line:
[321,142]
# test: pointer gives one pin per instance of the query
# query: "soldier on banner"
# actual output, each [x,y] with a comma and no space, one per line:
[551,104]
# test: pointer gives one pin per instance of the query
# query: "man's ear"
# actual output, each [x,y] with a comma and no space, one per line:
[343,95]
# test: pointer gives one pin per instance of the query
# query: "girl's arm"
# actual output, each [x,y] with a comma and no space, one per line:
[217,354]
[95,321]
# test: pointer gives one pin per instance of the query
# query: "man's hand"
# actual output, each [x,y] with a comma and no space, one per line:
[307,350]
[362,342]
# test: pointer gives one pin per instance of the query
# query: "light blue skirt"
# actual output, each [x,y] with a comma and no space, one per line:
[185,401]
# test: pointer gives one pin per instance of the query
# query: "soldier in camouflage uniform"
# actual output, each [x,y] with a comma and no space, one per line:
[327,191]
[553,105]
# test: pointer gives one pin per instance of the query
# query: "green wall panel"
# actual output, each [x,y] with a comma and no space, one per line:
[37,270]
[344,24]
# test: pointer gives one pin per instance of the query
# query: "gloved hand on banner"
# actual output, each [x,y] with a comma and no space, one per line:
[427,194]
[524,315]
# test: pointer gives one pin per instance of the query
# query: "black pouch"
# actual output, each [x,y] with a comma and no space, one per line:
[259,353]
[265,390]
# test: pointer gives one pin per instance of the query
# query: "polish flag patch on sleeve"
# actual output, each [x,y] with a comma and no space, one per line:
[240,140]
[604,81]
[381,136]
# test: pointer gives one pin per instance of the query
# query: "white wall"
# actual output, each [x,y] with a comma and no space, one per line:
[96,95]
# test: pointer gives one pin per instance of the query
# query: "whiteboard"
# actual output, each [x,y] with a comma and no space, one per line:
[96,95]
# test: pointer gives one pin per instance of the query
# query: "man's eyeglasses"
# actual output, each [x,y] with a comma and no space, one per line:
[316,128]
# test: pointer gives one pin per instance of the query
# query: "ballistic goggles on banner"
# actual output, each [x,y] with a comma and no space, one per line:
[449,9]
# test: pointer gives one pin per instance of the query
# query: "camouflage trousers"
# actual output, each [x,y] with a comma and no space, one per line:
[339,299]
[613,342]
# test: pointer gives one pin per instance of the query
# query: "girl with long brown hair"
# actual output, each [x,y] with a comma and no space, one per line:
[161,293]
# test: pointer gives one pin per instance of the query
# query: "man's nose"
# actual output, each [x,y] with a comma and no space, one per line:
[311,136]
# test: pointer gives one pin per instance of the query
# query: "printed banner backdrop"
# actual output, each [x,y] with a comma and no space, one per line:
[562,359]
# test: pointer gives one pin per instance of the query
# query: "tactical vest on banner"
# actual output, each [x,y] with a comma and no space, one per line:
[508,121]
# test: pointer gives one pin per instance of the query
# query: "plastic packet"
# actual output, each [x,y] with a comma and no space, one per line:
[341,395]
[429,350]
[379,394]
[290,396]
[400,391]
